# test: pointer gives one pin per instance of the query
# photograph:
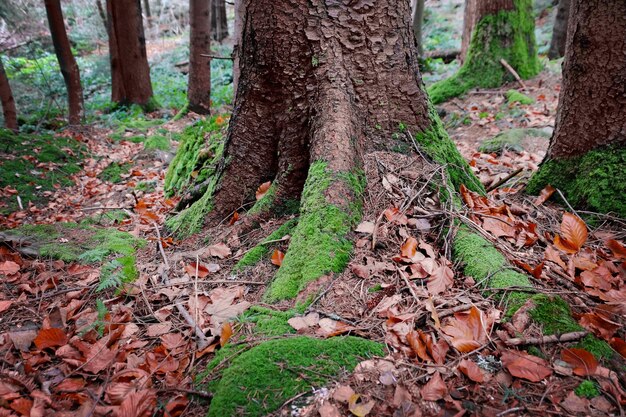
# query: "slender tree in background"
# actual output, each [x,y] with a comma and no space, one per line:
[146,9]
[8,103]
[219,23]
[240,11]
[199,86]
[559,32]
[321,84]
[587,154]
[130,72]
[67,63]
[418,21]
[103,15]
[500,30]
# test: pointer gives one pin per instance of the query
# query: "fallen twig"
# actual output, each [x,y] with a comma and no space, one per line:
[505,179]
[513,72]
[553,338]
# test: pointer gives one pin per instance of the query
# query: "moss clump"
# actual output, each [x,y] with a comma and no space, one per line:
[159,142]
[262,250]
[260,380]
[114,171]
[508,35]
[595,180]
[514,96]
[510,139]
[318,245]
[489,268]
[269,322]
[191,220]
[267,202]
[587,389]
[437,145]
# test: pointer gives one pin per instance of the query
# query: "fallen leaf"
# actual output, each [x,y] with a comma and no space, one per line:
[234,219]
[471,370]
[225,335]
[191,269]
[262,190]
[22,339]
[358,408]
[138,404]
[329,410]
[575,405]
[365,227]
[70,385]
[522,365]
[435,389]
[619,251]
[158,329]
[277,257]
[499,227]
[619,345]
[417,342]
[360,271]
[48,338]
[219,250]
[573,234]
[545,194]
[583,362]
[5,305]
[409,247]
[553,255]
[343,393]
[467,330]
[394,215]
[441,279]
[9,267]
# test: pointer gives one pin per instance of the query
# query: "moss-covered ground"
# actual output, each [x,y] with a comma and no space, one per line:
[264,248]
[511,140]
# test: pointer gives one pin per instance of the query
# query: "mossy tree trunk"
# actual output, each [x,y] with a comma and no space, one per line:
[8,103]
[219,23]
[199,86]
[587,152]
[500,29]
[67,63]
[559,32]
[321,84]
[130,72]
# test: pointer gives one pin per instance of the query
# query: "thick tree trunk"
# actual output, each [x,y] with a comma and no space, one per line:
[8,103]
[587,152]
[130,72]
[239,19]
[559,33]
[500,30]
[199,86]
[69,67]
[219,23]
[418,20]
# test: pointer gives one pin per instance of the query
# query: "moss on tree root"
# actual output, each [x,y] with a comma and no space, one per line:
[318,245]
[596,180]
[263,249]
[260,380]
[507,35]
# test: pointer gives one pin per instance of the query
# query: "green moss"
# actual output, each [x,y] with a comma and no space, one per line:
[599,348]
[267,202]
[507,35]
[157,142]
[318,245]
[263,250]
[437,145]
[191,220]
[269,322]
[587,389]
[514,96]
[510,139]
[114,171]
[260,380]
[596,180]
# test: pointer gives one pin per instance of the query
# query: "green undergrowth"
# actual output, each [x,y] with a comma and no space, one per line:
[514,96]
[507,35]
[114,171]
[596,180]
[510,140]
[587,389]
[264,249]
[269,322]
[258,381]
[37,164]
[319,245]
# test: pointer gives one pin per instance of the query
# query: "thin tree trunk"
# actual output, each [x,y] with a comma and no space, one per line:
[219,24]
[103,15]
[130,71]
[69,67]
[240,11]
[469,21]
[418,20]
[559,33]
[199,86]
[587,152]
[146,10]
[8,103]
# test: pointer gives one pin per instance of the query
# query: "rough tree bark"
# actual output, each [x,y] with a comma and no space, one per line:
[559,33]
[500,29]
[418,20]
[8,103]
[199,86]
[239,19]
[130,73]
[587,152]
[69,67]
[219,24]
[321,84]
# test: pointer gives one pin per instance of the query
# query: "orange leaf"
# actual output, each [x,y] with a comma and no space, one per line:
[435,389]
[619,345]
[227,332]
[441,279]
[573,234]
[416,342]
[219,120]
[190,269]
[584,362]
[522,365]
[277,257]
[466,330]
[262,190]
[138,404]
[471,370]
[409,247]
[50,338]
[234,219]
[22,405]
[439,350]
[545,194]
[395,216]
[619,251]
[70,385]
[9,267]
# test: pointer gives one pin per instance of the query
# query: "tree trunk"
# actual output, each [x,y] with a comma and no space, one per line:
[239,19]
[219,24]
[8,103]
[69,67]
[146,9]
[587,152]
[418,19]
[469,21]
[321,84]
[559,33]
[500,29]
[103,15]
[130,72]
[199,86]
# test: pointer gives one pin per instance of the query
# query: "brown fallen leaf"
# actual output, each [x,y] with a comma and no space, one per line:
[471,370]
[219,250]
[522,365]
[225,335]
[583,362]
[467,330]
[409,247]
[277,257]
[138,404]
[435,389]
[9,267]
[573,234]
[545,194]
[358,408]
[5,305]
[262,190]
[47,338]
[440,280]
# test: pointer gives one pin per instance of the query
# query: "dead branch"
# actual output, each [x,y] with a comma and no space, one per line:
[513,72]
[553,338]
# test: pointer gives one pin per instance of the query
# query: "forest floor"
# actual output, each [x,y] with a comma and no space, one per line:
[83,333]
